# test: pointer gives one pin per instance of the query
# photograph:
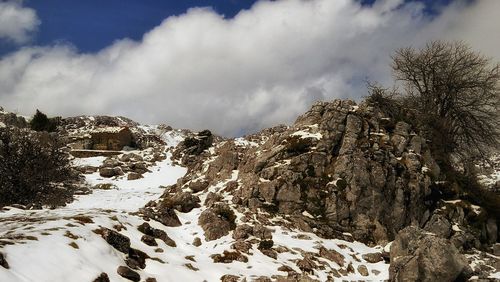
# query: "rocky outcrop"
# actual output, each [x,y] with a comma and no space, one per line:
[339,168]
[417,255]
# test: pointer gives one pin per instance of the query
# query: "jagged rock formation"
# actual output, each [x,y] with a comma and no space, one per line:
[340,171]
[340,167]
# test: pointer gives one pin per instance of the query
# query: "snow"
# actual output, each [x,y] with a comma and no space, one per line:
[305,134]
[108,129]
[2,125]
[242,142]
[50,258]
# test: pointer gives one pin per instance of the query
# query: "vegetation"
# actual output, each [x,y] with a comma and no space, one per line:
[34,168]
[40,122]
[451,94]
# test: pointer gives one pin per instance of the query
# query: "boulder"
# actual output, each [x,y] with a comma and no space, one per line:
[181,201]
[134,175]
[217,221]
[107,172]
[155,233]
[128,273]
[117,240]
[168,217]
[136,259]
[417,255]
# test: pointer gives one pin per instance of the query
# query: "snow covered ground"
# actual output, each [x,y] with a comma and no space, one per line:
[42,250]
[61,245]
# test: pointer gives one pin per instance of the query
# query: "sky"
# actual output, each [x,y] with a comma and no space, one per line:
[232,66]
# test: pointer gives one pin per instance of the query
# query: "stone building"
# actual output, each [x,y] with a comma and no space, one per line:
[111,138]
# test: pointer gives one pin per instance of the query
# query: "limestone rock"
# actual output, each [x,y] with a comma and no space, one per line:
[217,221]
[420,256]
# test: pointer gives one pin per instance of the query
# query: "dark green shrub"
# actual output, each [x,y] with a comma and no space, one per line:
[40,122]
[34,169]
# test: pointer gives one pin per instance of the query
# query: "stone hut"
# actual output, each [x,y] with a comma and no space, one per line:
[111,138]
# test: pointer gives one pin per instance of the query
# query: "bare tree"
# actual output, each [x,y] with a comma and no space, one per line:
[456,92]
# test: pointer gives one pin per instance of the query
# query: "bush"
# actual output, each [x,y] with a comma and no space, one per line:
[40,122]
[34,169]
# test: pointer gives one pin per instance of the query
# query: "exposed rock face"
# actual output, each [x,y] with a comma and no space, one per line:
[346,167]
[420,256]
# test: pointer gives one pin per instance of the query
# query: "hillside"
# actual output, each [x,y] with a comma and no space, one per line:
[343,194]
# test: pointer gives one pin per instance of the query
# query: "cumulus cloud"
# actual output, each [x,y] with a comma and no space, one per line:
[17,23]
[263,67]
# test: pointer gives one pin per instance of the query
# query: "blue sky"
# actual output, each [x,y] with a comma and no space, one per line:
[91,25]
[236,68]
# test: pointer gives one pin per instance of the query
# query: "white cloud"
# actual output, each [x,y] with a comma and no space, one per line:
[17,23]
[261,68]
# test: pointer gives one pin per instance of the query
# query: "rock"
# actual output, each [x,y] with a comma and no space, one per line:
[306,264]
[134,175]
[262,232]
[103,277]
[439,225]
[196,242]
[242,246]
[197,144]
[198,186]
[149,240]
[420,256]
[181,201]
[110,163]
[105,186]
[217,221]
[151,279]
[168,217]
[363,270]
[136,259]
[373,257]
[156,233]
[496,249]
[212,198]
[107,172]
[270,253]
[229,278]
[3,261]
[332,255]
[492,230]
[229,257]
[266,244]
[242,231]
[117,240]
[128,273]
